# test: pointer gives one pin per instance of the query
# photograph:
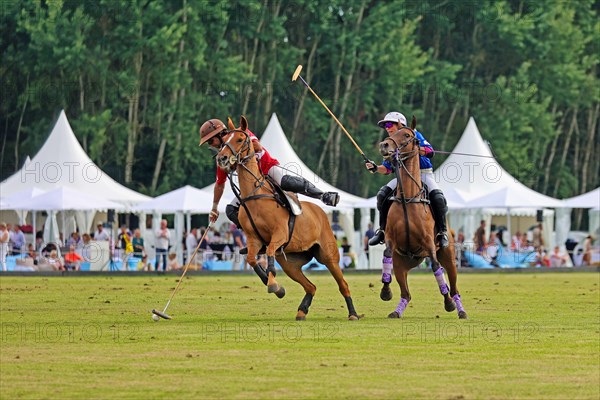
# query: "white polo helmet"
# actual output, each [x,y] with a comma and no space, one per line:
[393,116]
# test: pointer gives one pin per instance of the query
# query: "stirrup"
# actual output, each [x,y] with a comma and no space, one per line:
[263,250]
[330,198]
[442,238]
[378,238]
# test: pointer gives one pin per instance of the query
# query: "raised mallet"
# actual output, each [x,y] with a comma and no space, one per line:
[163,313]
[295,77]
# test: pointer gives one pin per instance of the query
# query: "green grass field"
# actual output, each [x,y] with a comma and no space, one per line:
[529,336]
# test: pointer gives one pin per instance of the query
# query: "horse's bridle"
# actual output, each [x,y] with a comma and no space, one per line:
[401,145]
[238,158]
[399,158]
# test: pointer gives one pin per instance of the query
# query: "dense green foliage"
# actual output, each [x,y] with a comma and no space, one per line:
[137,78]
[528,336]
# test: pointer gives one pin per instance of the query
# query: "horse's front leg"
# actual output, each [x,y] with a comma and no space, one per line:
[401,269]
[272,285]
[253,248]
[386,275]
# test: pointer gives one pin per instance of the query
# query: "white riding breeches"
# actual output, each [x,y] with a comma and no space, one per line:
[426,177]
[276,173]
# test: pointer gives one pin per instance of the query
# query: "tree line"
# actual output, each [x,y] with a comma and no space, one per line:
[137,78]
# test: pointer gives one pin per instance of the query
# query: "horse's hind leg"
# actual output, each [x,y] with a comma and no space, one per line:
[447,259]
[330,256]
[293,269]
[386,275]
[438,273]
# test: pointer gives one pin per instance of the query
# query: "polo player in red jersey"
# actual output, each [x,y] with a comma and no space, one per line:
[212,132]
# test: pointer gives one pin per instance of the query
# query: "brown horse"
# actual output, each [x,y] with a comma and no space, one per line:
[265,222]
[409,236]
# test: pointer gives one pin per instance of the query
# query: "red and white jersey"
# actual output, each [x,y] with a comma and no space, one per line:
[265,163]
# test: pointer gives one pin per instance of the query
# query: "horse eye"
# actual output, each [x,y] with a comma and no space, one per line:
[407,135]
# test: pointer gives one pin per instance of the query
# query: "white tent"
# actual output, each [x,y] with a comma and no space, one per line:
[587,200]
[64,199]
[477,176]
[62,162]
[590,200]
[187,200]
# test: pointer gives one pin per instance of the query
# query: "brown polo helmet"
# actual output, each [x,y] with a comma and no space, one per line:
[210,129]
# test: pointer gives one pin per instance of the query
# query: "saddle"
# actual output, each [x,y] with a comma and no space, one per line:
[288,200]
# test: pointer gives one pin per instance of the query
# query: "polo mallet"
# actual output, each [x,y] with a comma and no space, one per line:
[163,313]
[295,77]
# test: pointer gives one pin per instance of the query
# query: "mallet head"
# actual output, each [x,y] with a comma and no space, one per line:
[296,73]
[160,314]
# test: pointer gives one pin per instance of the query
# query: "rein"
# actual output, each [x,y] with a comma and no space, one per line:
[399,159]
[260,182]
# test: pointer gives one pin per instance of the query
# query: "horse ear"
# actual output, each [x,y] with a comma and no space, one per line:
[413,123]
[243,123]
[230,123]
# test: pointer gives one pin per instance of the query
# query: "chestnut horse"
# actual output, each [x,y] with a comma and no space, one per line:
[410,233]
[263,218]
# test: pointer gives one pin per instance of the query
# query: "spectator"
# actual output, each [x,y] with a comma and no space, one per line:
[101,234]
[460,239]
[239,242]
[525,246]
[86,250]
[75,240]
[4,238]
[538,237]
[558,259]
[191,242]
[72,259]
[492,249]
[515,243]
[172,264]
[347,255]
[18,241]
[480,238]
[31,251]
[587,250]
[123,243]
[368,235]
[55,261]
[541,258]
[138,244]
[162,236]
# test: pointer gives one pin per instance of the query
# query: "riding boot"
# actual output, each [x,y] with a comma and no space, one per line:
[298,184]
[383,207]
[232,213]
[439,208]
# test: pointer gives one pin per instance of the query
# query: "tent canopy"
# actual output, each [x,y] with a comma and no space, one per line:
[65,198]
[187,199]
[587,200]
[514,197]
[481,175]
[62,162]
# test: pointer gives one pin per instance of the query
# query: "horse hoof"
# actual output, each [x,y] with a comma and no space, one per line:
[394,314]
[280,293]
[386,293]
[353,317]
[462,315]
[300,317]
[273,288]
[449,305]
